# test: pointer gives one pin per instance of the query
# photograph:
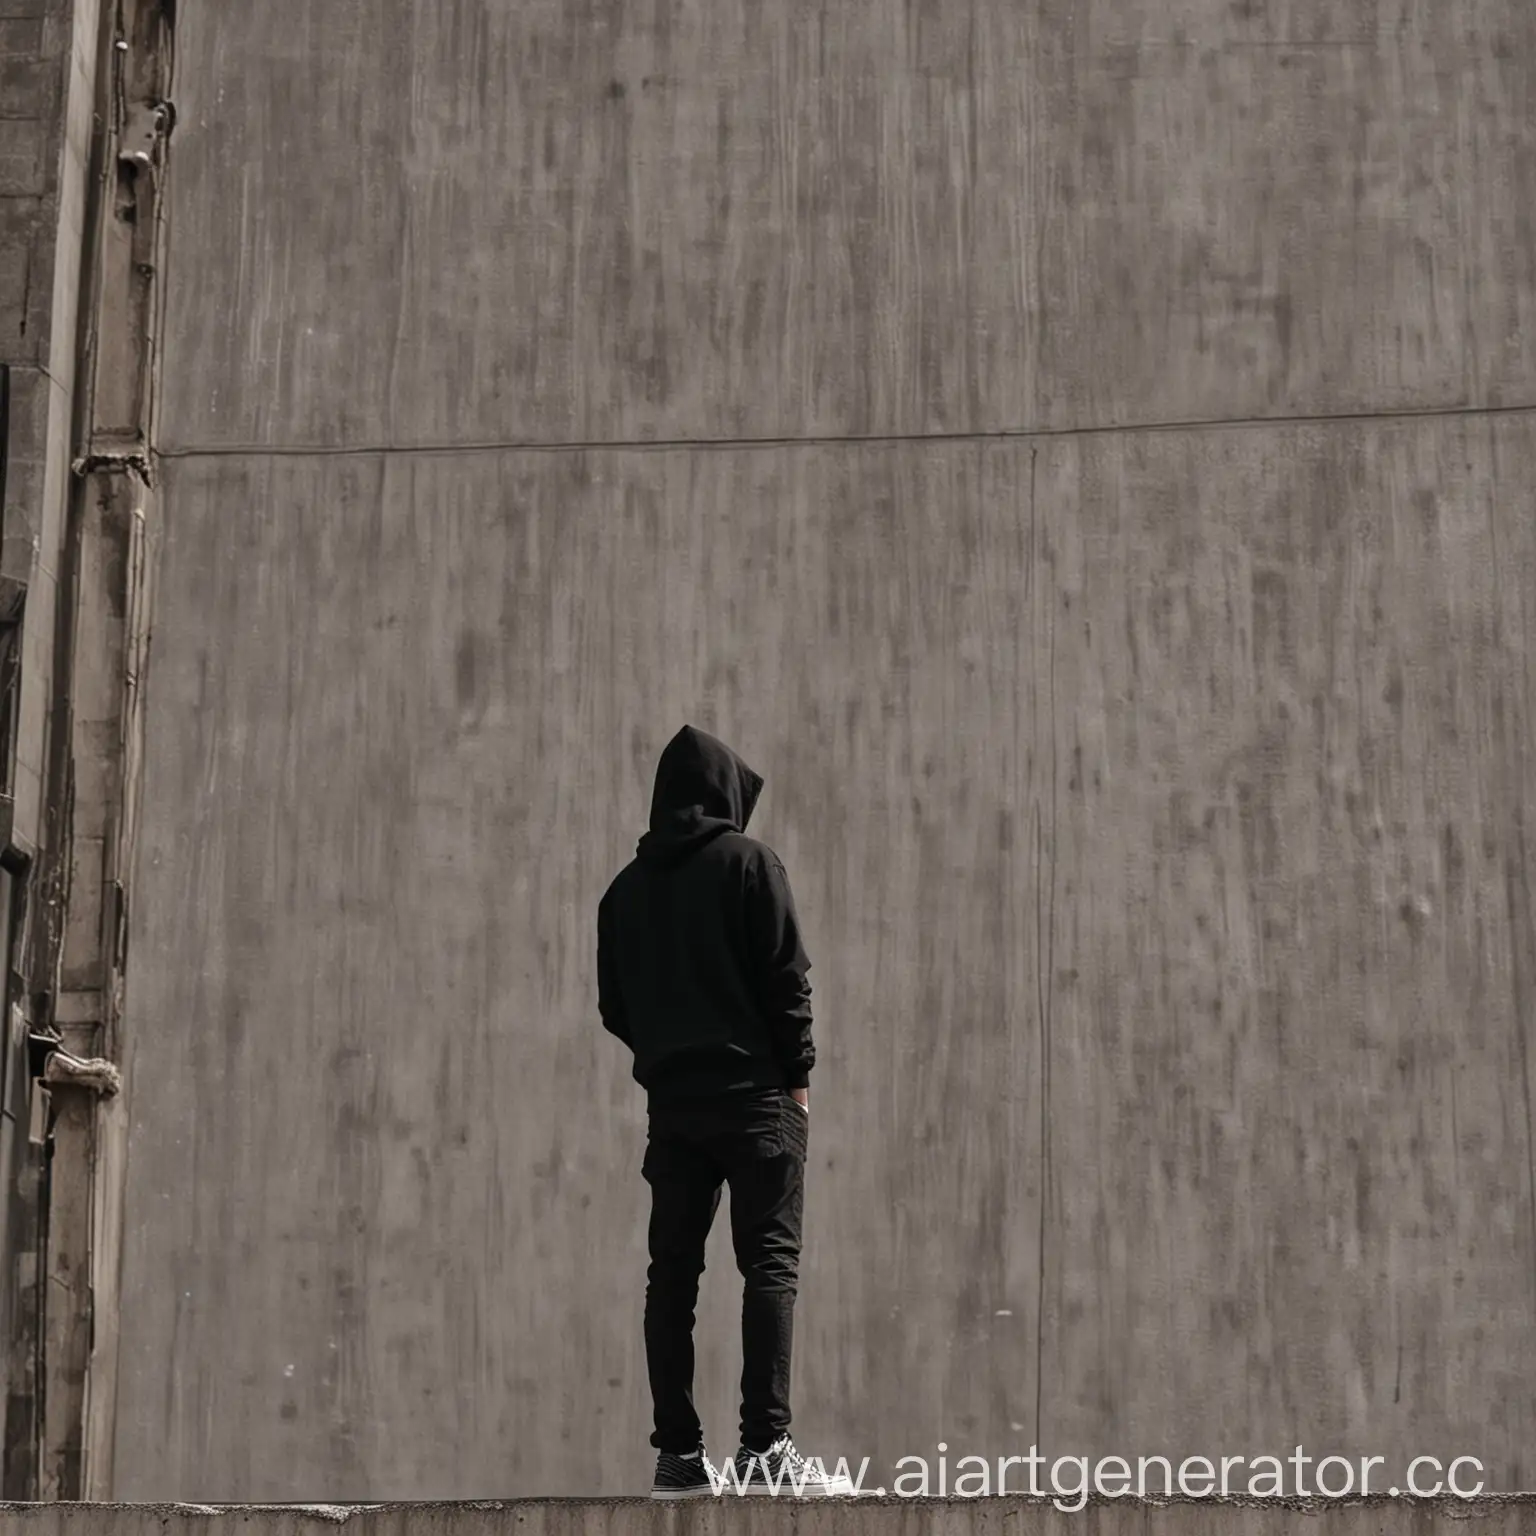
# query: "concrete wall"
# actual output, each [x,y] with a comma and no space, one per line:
[574,1517]
[951,1517]
[1155,796]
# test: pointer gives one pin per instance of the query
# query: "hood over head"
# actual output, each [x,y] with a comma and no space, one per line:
[702,789]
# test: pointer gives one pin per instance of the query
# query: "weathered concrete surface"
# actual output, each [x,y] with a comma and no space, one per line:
[1156,801]
[1171,784]
[866,1517]
[449,222]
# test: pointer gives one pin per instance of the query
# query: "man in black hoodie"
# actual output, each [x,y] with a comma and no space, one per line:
[702,973]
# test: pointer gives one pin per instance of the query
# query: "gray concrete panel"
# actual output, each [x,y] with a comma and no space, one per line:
[872,1517]
[1155,805]
[1513,1516]
[555,221]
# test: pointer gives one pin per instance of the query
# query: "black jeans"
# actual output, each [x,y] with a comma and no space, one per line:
[756,1143]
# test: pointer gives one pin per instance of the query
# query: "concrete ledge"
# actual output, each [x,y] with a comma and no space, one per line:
[1493,1515]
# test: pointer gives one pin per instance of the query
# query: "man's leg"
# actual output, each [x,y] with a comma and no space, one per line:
[685,1194]
[765,1163]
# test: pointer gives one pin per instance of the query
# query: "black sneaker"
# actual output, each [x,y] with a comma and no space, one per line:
[781,1471]
[684,1477]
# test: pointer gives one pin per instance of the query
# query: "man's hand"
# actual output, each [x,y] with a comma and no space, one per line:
[802,1097]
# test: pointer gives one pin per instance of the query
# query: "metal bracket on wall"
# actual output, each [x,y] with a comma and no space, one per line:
[145,129]
[147,122]
[51,1068]
[40,1046]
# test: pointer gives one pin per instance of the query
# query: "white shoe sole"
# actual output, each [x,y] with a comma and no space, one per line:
[677,1495]
[788,1491]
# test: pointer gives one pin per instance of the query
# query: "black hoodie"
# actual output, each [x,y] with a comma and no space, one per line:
[700,966]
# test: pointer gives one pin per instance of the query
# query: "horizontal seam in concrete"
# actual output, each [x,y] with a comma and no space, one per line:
[874,439]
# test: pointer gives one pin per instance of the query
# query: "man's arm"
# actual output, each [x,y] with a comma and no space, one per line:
[610,998]
[781,963]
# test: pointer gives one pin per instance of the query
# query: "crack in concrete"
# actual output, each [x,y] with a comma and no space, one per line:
[828,440]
